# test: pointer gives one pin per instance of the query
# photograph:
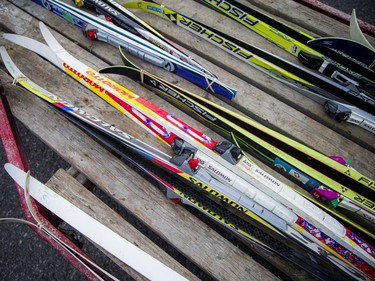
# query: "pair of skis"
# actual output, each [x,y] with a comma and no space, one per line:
[342,102]
[91,228]
[174,61]
[190,142]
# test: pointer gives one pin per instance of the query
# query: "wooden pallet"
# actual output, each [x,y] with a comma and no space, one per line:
[259,96]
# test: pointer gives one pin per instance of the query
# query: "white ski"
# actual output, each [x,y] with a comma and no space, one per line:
[94,230]
[356,33]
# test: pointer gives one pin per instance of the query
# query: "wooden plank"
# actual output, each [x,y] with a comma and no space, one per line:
[66,186]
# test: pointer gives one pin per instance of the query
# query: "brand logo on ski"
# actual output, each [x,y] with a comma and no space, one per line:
[236,12]
[185,101]
[218,195]
[106,7]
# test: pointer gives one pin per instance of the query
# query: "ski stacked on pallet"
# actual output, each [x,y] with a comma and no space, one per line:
[177,190]
[357,36]
[187,142]
[342,102]
[361,53]
[228,125]
[332,62]
[123,18]
[99,29]
[94,230]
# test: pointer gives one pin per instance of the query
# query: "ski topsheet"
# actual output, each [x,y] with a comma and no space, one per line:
[181,98]
[356,33]
[108,32]
[120,97]
[357,51]
[337,108]
[125,19]
[299,78]
[264,142]
[353,178]
[94,230]
[349,51]
[337,65]
[94,126]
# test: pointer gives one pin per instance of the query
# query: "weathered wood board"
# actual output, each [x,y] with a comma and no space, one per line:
[259,96]
[80,196]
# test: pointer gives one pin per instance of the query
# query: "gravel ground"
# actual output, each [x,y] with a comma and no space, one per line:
[23,255]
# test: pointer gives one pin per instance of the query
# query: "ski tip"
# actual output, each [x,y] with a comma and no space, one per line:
[3,53]
[47,35]
[12,170]
[42,25]
[35,46]
[8,166]
[355,31]
[9,36]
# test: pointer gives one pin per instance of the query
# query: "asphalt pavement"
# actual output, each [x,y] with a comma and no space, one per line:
[23,255]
